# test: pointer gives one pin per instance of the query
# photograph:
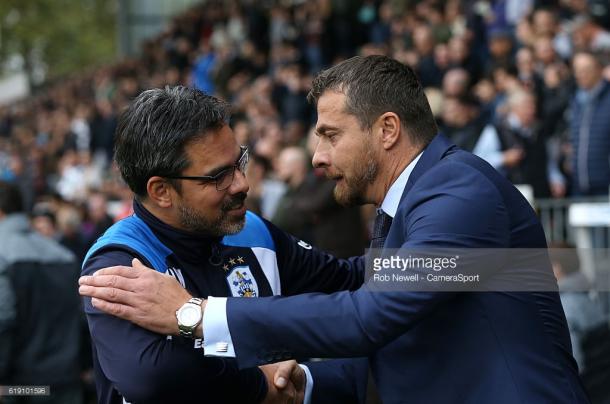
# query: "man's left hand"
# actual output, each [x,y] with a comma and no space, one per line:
[138,294]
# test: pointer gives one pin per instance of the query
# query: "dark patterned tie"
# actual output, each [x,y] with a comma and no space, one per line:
[381,227]
[383,221]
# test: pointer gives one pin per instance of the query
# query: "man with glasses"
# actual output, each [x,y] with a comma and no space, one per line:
[178,155]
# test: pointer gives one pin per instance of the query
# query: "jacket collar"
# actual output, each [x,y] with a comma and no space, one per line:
[187,245]
[438,148]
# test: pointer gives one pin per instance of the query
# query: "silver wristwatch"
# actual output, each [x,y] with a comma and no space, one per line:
[189,316]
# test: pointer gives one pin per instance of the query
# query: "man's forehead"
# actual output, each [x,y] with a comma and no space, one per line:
[330,107]
[216,148]
[331,100]
[213,137]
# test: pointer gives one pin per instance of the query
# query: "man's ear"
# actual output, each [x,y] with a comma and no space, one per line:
[159,191]
[389,129]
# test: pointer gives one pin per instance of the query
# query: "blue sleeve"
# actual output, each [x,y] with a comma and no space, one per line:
[445,210]
[304,268]
[147,367]
[339,381]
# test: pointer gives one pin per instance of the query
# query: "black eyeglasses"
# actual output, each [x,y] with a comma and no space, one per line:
[223,179]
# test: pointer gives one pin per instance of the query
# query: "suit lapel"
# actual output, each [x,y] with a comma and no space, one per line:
[438,148]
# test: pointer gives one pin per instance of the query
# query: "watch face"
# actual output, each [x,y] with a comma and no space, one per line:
[189,315]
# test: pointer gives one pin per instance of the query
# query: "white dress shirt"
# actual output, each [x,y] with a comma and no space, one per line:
[392,198]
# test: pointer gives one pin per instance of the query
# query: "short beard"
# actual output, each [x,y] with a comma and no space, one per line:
[222,226]
[353,192]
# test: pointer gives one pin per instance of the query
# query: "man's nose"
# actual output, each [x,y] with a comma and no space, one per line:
[240,183]
[320,158]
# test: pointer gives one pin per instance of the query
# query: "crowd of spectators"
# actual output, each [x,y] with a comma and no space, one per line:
[521,83]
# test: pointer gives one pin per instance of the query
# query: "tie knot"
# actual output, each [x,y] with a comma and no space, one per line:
[383,221]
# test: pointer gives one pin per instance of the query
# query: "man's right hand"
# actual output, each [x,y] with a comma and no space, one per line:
[285,383]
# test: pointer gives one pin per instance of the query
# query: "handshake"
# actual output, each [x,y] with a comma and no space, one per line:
[286,383]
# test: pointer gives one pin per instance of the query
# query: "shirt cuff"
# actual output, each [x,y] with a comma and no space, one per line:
[308,385]
[216,336]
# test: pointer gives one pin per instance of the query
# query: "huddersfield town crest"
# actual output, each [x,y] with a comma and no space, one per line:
[242,282]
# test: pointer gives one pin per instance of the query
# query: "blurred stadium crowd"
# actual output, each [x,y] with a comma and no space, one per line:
[522,83]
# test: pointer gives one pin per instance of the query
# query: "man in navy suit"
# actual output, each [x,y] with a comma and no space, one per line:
[379,142]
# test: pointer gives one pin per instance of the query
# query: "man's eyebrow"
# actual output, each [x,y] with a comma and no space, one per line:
[322,129]
[218,170]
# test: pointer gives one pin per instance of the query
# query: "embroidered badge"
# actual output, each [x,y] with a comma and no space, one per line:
[242,282]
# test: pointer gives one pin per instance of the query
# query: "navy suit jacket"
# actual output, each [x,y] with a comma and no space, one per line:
[433,347]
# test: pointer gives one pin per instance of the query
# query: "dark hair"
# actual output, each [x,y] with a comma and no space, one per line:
[377,84]
[43,212]
[153,131]
[11,200]
[469,100]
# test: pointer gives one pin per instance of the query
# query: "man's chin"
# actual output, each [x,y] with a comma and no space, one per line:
[235,224]
[344,197]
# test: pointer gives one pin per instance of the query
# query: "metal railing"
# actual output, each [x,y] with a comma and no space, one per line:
[553,215]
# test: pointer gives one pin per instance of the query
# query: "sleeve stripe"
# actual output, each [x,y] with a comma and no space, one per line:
[268,262]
